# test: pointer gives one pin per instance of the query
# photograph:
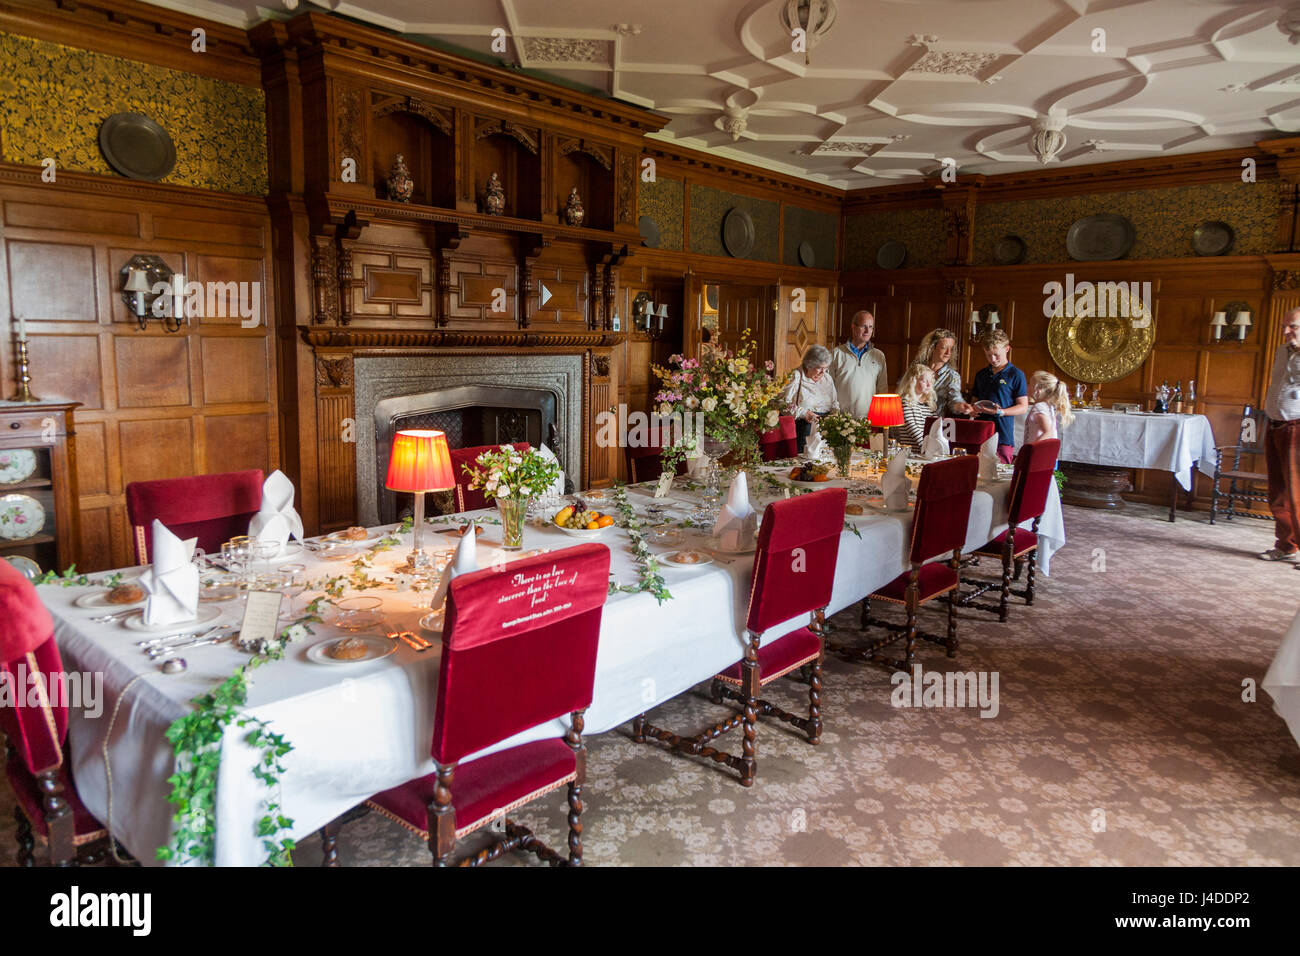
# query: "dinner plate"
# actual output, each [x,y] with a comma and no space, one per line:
[379,647]
[668,561]
[29,568]
[339,554]
[21,517]
[583,532]
[337,538]
[98,601]
[206,614]
[16,464]
[433,620]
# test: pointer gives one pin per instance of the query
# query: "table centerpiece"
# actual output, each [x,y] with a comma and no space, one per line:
[514,478]
[843,432]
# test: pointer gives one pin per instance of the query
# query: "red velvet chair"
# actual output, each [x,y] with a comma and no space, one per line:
[467,498]
[969,433]
[507,666]
[645,463]
[780,442]
[47,809]
[943,501]
[794,572]
[212,508]
[1031,484]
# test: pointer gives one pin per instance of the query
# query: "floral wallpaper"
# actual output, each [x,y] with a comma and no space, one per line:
[709,205]
[1164,220]
[920,230]
[818,229]
[663,201]
[55,98]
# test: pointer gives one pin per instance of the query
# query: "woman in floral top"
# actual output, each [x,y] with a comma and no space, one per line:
[936,352]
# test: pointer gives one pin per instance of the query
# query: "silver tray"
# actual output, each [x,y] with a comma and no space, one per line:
[1100,238]
[137,147]
[737,233]
[891,254]
[1213,238]
[807,257]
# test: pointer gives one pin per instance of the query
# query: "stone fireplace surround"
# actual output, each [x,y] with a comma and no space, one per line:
[379,377]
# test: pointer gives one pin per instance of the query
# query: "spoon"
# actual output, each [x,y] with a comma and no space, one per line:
[174,665]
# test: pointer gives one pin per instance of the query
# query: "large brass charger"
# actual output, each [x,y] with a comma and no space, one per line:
[1100,348]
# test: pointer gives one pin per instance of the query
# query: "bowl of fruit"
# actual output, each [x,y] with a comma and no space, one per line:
[581,521]
[810,473]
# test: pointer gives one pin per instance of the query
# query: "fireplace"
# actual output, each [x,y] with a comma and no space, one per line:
[476,399]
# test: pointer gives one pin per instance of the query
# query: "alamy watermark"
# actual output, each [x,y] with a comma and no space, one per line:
[1102,300]
[75,690]
[210,300]
[946,689]
[619,428]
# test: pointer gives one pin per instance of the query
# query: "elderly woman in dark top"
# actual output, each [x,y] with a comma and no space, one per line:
[936,352]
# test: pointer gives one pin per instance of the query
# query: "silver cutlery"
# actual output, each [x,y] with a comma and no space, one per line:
[155,653]
[182,636]
[115,615]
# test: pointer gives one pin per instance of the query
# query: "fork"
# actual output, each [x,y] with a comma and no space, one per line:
[114,615]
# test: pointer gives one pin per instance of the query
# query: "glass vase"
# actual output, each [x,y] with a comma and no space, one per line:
[513,513]
[843,455]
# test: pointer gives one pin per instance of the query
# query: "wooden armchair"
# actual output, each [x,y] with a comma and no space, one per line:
[1250,441]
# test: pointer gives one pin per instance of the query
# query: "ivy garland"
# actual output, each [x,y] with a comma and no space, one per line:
[649,578]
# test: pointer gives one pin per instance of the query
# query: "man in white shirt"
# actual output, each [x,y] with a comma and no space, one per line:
[1282,443]
[857,369]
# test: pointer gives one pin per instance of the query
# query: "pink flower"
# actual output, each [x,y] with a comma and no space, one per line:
[769,365]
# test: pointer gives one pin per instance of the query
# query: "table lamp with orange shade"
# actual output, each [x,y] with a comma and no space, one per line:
[420,462]
[886,412]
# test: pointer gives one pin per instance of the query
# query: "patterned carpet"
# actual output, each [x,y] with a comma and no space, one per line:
[1121,736]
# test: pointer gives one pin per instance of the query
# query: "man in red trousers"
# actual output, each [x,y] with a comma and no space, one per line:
[1282,443]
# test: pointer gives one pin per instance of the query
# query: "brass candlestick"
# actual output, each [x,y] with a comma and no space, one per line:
[24,379]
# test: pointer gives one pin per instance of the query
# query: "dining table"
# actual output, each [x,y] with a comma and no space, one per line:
[1102,445]
[358,729]
[1282,682]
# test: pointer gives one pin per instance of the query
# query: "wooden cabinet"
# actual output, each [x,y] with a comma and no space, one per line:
[38,484]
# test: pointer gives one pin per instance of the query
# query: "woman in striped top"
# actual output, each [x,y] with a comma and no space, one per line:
[936,352]
[917,390]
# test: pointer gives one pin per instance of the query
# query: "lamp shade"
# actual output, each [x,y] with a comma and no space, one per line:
[886,411]
[1242,319]
[138,281]
[1220,319]
[420,461]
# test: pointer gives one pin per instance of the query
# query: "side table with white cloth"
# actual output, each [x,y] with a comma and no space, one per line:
[1103,446]
[358,730]
[1283,679]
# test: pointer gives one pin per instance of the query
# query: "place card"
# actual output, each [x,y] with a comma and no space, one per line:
[261,617]
[665,483]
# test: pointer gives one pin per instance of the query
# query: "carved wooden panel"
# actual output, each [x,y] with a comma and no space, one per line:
[389,284]
[223,358]
[338,462]
[478,287]
[569,300]
[235,442]
[244,272]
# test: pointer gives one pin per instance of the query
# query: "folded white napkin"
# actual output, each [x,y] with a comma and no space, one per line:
[895,484]
[557,487]
[816,446]
[989,458]
[276,520]
[936,442]
[172,581]
[465,560]
[737,520]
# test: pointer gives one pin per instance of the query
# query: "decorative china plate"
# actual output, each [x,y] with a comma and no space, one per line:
[21,517]
[807,255]
[29,568]
[891,254]
[378,648]
[98,601]
[738,233]
[16,464]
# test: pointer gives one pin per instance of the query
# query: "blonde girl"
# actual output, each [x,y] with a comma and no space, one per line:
[1051,404]
[917,390]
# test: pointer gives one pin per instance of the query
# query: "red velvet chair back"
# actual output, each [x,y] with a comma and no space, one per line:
[785,583]
[36,731]
[968,434]
[943,507]
[467,498]
[645,463]
[1031,481]
[518,647]
[212,508]
[780,442]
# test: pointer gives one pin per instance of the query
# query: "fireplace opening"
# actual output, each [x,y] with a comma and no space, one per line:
[470,415]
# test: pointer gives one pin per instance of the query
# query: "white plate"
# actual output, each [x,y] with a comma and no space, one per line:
[21,517]
[97,601]
[583,532]
[369,539]
[292,549]
[16,464]
[29,568]
[379,647]
[206,614]
[668,562]
[433,620]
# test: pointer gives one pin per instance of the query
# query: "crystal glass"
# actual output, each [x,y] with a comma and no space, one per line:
[266,550]
[711,474]
[358,613]
[241,555]
[514,512]
[293,581]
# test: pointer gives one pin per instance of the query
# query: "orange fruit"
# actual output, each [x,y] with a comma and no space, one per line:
[796,472]
[821,477]
[593,525]
[605,521]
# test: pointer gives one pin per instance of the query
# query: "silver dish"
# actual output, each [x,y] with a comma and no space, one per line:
[137,147]
[1009,251]
[807,255]
[891,254]
[1213,238]
[1100,238]
[738,233]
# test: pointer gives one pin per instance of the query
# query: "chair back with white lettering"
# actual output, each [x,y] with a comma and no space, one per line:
[32,716]
[794,567]
[1031,481]
[943,500]
[518,647]
[467,498]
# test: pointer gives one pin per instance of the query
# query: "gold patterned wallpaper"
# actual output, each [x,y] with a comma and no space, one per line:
[920,230]
[709,205]
[818,229]
[1164,220]
[663,201]
[55,98]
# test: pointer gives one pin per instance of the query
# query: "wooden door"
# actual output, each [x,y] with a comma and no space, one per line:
[746,308]
[802,320]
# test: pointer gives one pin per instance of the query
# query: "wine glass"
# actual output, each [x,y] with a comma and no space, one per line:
[241,554]
[293,581]
[266,550]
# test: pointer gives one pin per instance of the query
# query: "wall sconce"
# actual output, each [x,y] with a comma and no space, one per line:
[986,314]
[1217,323]
[145,280]
[1242,324]
[1234,314]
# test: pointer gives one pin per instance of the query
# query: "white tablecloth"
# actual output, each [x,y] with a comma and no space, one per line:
[1283,679]
[357,730]
[1160,442]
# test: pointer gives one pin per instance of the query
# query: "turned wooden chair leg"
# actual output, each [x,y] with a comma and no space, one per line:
[26,842]
[952,620]
[815,703]
[575,825]
[715,693]
[1006,587]
[638,728]
[1029,583]
[329,843]
[1020,566]
[749,726]
[909,653]
[865,621]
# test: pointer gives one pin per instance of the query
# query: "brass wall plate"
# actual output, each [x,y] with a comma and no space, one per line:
[1098,344]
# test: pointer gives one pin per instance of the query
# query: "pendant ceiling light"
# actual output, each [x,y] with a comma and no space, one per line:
[1049,136]
[814,17]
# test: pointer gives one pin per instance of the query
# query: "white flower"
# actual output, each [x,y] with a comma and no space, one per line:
[503,491]
[709,404]
[523,491]
[692,402]
[666,409]
[773,417]
[295,632]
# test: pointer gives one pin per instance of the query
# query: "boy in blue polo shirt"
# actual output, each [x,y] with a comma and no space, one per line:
[1001,392]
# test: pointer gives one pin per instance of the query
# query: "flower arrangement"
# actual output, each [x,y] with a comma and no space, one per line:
[510,473]
[729,395]
[841,429]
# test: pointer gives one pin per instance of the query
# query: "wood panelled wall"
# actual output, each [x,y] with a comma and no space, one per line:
[153,404]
